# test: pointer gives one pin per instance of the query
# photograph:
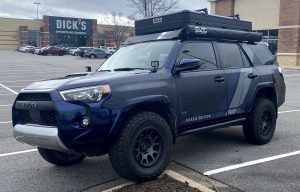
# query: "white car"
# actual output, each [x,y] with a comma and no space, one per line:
[74,52]
[111,50]
[25,49]
[37,50]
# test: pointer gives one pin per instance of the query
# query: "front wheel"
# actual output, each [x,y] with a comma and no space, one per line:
[143,150]
[261,122]
[60,158]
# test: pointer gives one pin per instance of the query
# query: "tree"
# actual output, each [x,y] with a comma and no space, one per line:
[150,8]
[118,26]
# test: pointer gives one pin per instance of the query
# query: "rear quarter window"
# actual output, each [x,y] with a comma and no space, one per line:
[257,53]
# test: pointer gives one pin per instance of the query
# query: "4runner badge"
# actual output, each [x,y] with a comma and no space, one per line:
[201,30]
[157,20]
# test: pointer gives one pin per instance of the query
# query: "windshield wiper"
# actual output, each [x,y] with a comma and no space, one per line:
[129,69]
[106,70]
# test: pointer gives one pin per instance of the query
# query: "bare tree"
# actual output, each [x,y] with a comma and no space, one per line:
[118,26]
[150,8]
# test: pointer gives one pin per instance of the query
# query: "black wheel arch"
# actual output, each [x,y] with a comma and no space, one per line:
[154,103]
[267,91]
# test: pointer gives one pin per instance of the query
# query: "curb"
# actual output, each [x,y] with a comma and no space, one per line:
[174,175]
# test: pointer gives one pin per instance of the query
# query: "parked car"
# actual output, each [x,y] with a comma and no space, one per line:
[96,53]
[69,49]
[74,52]
[53,50]
[111,50]
[82,49]
[157,88]
[26,48]
[37,50]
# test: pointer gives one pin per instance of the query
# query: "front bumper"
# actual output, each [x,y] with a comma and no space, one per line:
[40,136]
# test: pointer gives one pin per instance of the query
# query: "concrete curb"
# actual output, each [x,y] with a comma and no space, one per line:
[173,175]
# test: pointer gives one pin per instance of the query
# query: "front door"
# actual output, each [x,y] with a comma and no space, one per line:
[201,92]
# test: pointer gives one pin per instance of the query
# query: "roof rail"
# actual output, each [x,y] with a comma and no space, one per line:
[236,16]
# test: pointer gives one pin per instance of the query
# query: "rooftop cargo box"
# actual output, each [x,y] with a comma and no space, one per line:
[181,19]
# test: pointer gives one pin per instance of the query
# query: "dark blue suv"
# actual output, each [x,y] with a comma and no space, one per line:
[153,90]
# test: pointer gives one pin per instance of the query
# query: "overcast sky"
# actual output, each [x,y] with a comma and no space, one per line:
[94,9]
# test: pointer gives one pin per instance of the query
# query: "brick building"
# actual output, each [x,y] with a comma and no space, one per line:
[278,20]
[52,30]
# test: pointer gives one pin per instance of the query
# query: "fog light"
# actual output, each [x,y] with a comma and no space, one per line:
[85,122]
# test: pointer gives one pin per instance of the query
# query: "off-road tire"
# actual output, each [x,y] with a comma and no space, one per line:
[123,155]
[60,158]
[256,129]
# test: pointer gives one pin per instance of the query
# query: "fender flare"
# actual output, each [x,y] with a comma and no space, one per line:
[130,104]
[258,88]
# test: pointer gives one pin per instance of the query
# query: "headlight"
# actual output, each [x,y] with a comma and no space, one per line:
[86,94]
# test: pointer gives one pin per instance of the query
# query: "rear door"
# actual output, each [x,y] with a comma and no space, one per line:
[201,92]
[240,75]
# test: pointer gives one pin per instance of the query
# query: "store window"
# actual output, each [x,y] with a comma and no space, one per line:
[271,38]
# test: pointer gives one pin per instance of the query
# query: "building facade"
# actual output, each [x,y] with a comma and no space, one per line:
[52,30]
[278,20]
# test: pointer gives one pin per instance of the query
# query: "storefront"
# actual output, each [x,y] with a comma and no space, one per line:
[53,30]
[278,20]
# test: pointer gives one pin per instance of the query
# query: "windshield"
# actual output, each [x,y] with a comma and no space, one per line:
[139,56]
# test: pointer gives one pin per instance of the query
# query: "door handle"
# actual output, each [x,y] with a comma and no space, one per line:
[252,76]
[219,79]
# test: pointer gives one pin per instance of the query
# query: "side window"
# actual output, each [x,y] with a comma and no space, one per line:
[257,53]
[199,50]
[230,55]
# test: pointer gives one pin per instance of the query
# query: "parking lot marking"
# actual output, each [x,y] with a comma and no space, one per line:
[4,122]
[9,105]
[289,111]
[18,152]
[249,163]
[9,89]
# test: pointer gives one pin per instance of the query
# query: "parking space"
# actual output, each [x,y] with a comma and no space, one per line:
[204,153]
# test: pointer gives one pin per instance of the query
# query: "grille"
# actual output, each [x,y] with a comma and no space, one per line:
[36,116]
[34,97]
[47,118]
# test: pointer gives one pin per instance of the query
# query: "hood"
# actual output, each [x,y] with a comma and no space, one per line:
[82,80]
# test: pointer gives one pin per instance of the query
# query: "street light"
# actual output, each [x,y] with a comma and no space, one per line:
[37,9]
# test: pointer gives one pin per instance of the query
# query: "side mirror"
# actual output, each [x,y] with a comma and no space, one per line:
[187,65]
[88,69]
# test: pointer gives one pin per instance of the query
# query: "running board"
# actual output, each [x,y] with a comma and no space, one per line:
[214,126]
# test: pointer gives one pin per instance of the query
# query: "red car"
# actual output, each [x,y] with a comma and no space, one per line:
[53,50]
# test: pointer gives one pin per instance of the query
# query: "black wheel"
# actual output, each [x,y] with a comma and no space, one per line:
[143,150]
[60,158]
[45,53]
[261,122]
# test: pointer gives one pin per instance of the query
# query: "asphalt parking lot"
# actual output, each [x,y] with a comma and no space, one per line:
[223,154]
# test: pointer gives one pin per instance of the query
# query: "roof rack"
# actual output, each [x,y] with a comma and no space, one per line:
[198,32]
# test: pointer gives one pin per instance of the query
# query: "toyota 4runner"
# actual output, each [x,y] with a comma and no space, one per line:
[154,89]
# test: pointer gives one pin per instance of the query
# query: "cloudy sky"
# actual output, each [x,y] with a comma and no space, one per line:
[94,9]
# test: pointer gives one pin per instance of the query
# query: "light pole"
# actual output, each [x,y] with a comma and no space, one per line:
[37,9]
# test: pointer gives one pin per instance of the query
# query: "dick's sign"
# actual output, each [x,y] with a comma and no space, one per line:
[70,26]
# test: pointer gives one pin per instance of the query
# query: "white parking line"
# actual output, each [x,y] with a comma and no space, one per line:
[9,105]
[18,152]
[14,92]
[289,111]
[249,163]
[5,122]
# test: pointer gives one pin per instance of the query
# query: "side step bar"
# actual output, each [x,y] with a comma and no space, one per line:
[214,126]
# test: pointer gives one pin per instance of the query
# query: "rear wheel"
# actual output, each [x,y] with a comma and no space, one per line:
[60,158]
[143,150]
[261,123]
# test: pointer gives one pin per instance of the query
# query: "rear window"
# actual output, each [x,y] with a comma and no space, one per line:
[258,54]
